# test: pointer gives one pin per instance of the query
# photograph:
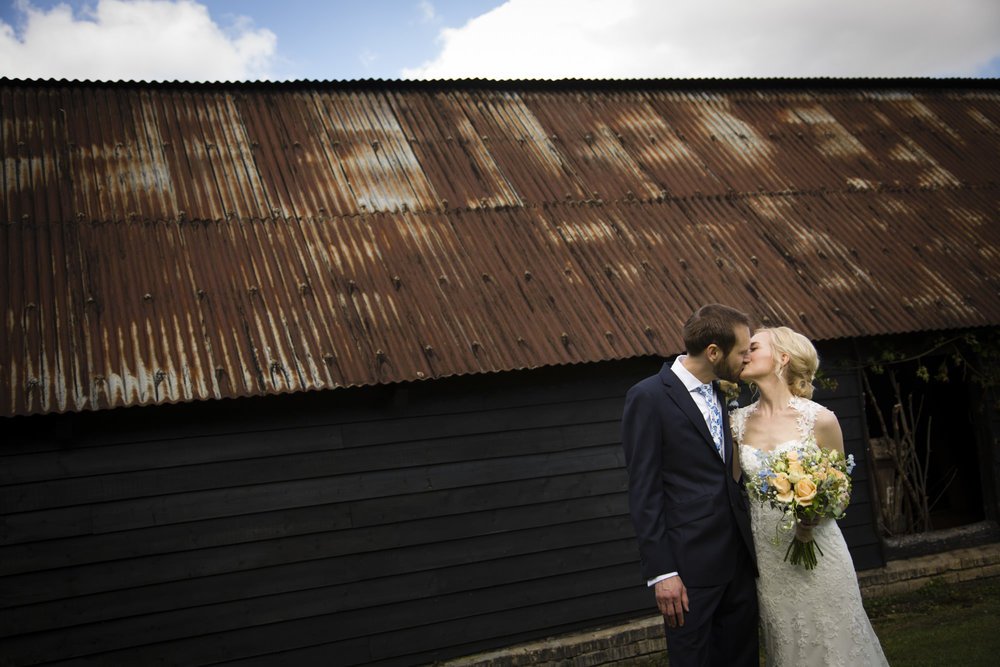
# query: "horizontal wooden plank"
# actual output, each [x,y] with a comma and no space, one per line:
[195,506]
[249,470]
[420,542]
[858,535]
[509,627]
[603,482]
[297,616]
[459,641]
[508,420]
[193,448]
[322,408]
[344,583]
[389,521]
[867,556]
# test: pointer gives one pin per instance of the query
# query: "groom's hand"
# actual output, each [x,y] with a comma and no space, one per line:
[672,600]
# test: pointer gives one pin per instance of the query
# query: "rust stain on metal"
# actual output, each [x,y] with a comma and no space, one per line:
[183,242]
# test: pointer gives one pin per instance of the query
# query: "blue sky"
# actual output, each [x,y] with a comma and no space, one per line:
[314,39]
[225,40]
[351,40]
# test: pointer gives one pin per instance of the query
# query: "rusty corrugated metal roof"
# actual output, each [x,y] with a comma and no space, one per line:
[182,242]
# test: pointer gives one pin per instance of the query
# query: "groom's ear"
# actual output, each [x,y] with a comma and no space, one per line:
[713,352]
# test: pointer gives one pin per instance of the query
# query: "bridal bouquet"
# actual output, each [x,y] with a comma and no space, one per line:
[807,484]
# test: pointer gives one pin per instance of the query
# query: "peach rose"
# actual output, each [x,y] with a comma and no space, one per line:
[783,486]
[795,472]
[805,491]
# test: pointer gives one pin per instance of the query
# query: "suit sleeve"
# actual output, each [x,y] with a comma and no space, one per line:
[642,439]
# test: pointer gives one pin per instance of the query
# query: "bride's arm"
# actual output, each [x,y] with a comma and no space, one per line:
[828,433]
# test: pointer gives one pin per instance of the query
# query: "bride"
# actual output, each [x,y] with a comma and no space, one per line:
[808,617]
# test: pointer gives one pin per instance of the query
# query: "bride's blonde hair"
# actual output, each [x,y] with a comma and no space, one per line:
[803,361]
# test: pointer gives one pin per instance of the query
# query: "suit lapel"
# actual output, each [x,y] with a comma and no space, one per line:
[680,395]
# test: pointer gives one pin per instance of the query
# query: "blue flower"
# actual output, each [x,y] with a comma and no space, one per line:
[764,475]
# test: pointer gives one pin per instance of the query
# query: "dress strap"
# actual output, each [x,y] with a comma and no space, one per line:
[807,411]
[738,421]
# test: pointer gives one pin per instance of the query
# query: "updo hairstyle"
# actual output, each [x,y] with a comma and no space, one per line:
[803,361]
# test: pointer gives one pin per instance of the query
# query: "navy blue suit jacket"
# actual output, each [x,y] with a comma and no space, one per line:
[690,515]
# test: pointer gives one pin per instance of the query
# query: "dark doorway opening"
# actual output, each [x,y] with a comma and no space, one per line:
[925,404]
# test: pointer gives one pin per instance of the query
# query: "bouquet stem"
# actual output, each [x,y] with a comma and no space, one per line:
[802,549]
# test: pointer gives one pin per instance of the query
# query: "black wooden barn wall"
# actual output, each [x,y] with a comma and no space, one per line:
[393,525]
[847,401]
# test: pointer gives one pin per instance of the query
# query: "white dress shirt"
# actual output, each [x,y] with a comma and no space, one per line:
[692,384]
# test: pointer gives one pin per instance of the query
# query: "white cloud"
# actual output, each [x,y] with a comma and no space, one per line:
[368,57]
[550,39]
[427,13]
[146,40]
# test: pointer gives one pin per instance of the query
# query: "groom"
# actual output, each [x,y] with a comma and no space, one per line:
[690,512]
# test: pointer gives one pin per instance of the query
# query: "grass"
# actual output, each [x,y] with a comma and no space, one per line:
[940,624]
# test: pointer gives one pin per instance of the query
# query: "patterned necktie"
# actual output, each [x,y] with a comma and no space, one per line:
[714,416]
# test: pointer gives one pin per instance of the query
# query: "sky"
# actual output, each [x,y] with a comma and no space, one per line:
[281,40]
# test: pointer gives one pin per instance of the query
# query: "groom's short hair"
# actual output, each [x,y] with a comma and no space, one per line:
[713,323]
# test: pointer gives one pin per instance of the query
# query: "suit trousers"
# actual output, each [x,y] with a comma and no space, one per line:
[721,627]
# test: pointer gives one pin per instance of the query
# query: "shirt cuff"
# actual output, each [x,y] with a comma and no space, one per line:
[655,580]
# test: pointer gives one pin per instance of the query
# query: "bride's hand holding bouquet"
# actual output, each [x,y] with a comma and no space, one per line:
[807,484]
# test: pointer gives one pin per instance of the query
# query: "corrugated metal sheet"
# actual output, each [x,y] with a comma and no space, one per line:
[174,242]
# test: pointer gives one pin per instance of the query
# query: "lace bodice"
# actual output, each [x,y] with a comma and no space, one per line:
[751,457]
[808,617]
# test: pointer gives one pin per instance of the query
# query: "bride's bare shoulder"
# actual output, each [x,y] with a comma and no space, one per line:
[825,414]
[827,430]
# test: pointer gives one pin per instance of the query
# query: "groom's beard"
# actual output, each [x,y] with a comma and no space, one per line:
[728,370]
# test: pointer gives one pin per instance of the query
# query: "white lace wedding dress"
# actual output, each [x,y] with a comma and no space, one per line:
[808,617]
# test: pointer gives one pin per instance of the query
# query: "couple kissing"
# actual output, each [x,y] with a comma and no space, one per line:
[706,550]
